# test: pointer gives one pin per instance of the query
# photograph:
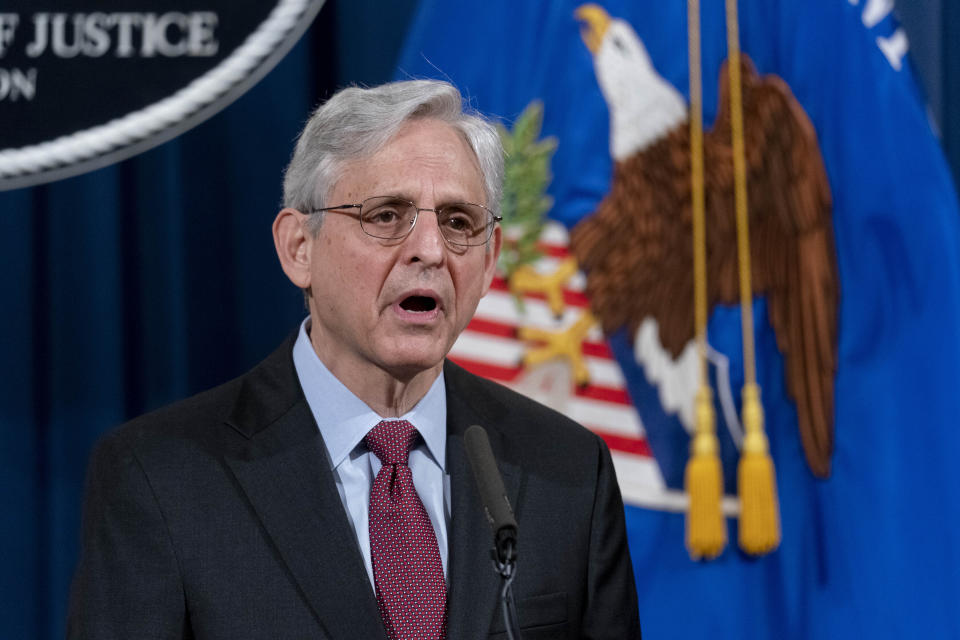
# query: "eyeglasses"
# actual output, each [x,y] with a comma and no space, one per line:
[391,218]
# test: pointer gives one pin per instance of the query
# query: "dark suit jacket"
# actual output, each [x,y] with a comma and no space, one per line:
[218,517]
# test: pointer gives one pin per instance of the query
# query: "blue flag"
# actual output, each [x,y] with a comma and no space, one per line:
[870,550]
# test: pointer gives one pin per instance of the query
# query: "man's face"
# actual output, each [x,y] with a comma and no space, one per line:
[398,305]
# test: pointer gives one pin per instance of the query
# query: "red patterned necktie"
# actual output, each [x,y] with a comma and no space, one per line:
[407,570]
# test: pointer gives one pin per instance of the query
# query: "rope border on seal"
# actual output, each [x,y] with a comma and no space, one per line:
[155,118]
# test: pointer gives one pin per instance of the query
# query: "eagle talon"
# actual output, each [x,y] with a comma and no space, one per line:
[566,344]
[526,280]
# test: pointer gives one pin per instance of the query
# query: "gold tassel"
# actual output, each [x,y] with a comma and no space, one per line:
[756,484]
[759,510]
[703,482]
[703,478]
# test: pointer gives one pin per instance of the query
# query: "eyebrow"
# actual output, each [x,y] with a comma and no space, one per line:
[442,202]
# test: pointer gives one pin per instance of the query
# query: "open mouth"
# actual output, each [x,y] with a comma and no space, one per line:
[418,304]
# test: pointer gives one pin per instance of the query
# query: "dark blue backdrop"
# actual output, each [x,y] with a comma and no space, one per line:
[150,280]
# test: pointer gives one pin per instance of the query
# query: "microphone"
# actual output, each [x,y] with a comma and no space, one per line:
[492,494]
[496,506]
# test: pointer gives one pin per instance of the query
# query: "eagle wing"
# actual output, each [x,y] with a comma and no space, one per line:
[636,248]
[791,244]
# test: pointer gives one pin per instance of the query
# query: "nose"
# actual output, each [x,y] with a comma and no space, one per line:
[425,243]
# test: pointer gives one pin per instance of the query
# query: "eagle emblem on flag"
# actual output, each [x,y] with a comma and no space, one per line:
[599,323]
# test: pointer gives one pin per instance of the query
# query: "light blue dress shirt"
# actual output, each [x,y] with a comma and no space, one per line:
[344,420]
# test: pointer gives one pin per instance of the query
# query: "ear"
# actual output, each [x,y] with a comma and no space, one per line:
[293,242]
[490,257]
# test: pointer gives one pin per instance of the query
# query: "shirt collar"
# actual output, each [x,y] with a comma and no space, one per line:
[344,419]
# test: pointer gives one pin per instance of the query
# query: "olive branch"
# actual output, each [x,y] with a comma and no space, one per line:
[526,176]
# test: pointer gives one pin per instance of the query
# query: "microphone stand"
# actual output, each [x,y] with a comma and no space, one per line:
[500,516]
[505,563]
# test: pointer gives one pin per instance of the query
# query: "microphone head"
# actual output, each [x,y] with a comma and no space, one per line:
[493,495]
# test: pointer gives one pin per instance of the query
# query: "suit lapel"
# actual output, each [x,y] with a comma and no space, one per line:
[284,473]
[474,584]
[282,469]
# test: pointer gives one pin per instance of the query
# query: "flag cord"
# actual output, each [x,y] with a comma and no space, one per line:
[759,530]
[706,530]
[740,193]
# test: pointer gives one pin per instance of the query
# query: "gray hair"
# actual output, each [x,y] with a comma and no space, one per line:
[357,122]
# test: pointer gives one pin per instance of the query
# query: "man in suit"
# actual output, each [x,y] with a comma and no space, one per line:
[326,493]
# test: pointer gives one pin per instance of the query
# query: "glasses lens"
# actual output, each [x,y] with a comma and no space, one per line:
[465,224]
[387,217]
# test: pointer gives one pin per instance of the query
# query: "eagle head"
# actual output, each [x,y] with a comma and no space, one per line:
[643,105]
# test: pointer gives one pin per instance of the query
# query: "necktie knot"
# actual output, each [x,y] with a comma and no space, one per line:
[391,441]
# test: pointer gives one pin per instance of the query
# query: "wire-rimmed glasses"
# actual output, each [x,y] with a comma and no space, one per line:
[464,224]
